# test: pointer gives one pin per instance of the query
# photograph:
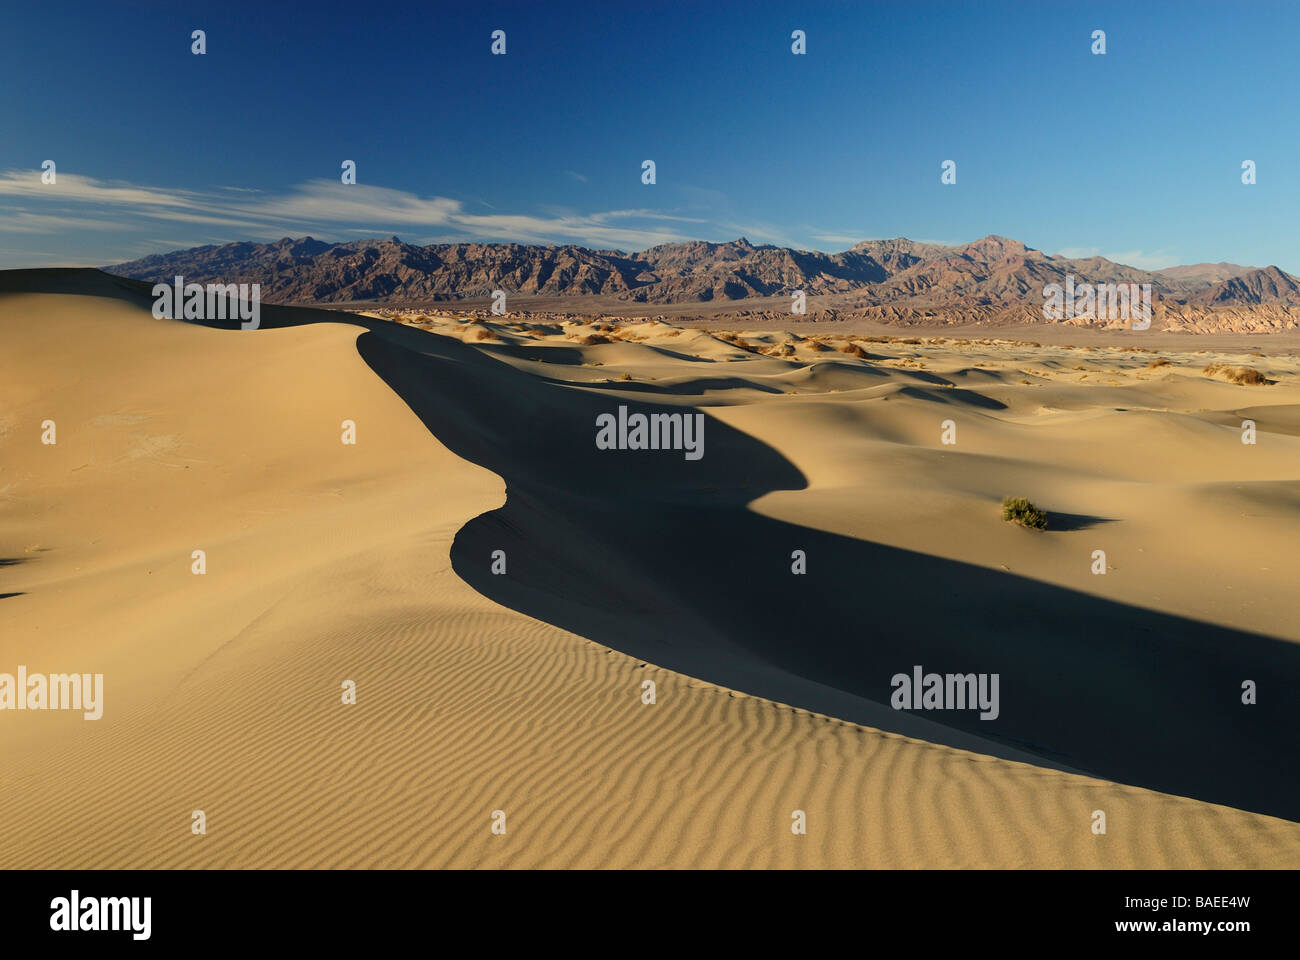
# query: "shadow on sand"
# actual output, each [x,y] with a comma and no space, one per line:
[659,557]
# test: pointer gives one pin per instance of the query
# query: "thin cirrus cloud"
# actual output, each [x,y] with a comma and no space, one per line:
[80,203]
[1129,258]
[837,239]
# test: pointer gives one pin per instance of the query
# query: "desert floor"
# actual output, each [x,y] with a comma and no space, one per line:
[522,692]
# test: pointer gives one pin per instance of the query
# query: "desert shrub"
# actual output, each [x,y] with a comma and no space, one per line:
[737,341]
[626,376]
[1024,513]
[483,333]
[1157,362]
[1246,376]
[853,350]
[590,339]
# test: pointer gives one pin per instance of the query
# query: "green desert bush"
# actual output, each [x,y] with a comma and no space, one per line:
[1024,513]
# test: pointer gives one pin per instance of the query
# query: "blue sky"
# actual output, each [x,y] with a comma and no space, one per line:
[1135,155]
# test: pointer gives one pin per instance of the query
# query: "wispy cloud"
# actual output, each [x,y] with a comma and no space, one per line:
[71,187]
[326,207]
[22,221]
[1141,259]
[837,239]
[761,231]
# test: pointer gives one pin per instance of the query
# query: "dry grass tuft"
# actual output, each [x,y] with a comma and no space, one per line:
[737,341]
[1246,376]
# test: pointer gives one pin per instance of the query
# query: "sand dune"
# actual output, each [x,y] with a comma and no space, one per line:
[521,693]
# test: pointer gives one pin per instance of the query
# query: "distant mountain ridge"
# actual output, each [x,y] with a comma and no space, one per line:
[888,277]
[1267,286]
[1205,272]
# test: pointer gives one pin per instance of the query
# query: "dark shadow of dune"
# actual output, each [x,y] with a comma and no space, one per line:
[665,352]
[660,557]
[78,281]
[865,369]
[691,387]
[960,395]
[924,376]
[1075,521]
[537,353]
[657,556]
[570,355]
[10,562]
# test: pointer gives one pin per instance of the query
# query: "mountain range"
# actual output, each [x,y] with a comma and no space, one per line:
[898,279]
